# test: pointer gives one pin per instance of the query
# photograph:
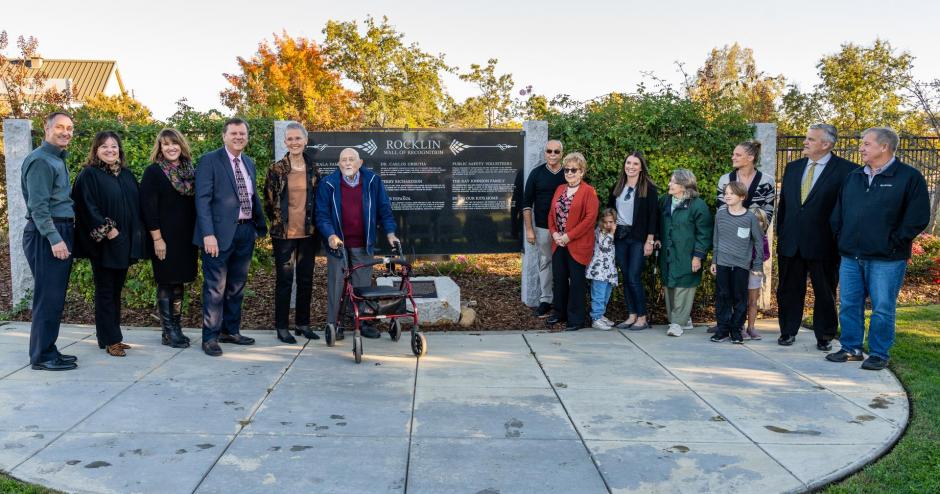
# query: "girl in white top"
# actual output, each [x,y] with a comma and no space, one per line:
[602,271]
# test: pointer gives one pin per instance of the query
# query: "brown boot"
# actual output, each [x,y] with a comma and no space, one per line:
[115,350]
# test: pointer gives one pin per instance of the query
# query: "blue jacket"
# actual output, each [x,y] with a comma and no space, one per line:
[376,208]
[879,221]
[217,203]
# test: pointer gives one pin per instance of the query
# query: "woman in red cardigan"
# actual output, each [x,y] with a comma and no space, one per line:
[571,223]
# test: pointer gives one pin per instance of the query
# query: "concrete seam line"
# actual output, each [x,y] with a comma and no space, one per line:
[76,424]
[411,424]
[567,414]
[729,421]
[251,416]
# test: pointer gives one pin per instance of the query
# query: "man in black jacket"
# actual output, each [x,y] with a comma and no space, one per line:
[880,210]
[805,243]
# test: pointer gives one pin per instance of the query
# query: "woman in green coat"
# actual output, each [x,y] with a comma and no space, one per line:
[685,238]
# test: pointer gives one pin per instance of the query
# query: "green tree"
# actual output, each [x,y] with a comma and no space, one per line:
[495,99]
[289,79]
[861,87]
[23,90]
[400,84]
[123,108]
[730,79]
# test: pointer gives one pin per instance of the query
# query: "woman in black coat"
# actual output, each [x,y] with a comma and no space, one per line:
[108,231]
[167,202]
[635,200]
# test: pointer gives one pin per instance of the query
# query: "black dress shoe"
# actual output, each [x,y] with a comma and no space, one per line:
[212,348]
[555,319]
[306,332]
[823,345]
[786,340]
[68,358]
[543,310]
[284,335]
[369,331]
[55,364]
[236,339]
[572,328]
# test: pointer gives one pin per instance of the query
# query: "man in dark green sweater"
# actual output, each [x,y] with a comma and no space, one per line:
[47,240]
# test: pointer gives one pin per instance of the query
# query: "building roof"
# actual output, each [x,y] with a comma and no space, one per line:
[87,78]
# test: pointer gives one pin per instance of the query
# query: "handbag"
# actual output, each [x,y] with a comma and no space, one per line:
[622,231]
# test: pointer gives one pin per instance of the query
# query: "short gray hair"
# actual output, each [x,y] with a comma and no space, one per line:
[884,135]
[561,145]
[52,116]
[829,131]
[686,179]
[292,125]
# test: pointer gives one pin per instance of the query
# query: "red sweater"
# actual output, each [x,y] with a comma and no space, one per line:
[354,230]
[582,218]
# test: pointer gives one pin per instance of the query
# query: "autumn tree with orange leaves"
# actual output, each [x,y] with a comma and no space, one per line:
[288,80]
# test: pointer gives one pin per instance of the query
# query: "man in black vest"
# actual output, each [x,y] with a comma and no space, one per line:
[805,242]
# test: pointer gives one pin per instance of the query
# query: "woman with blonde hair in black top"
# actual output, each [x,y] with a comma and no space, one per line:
[168,206]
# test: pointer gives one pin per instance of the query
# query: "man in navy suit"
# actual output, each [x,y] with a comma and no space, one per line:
[805,241]
[228,220]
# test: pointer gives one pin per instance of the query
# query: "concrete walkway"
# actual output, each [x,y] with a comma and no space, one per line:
[585,412]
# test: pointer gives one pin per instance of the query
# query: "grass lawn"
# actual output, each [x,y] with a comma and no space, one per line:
[914,463]
[913,466]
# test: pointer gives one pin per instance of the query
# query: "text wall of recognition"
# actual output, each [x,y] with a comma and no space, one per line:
[451,191]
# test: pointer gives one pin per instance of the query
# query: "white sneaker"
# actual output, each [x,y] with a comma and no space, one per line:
[689,325]
[600,324]
[607,321]
[674,330]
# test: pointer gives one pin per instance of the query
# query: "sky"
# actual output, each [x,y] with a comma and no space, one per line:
[170,49]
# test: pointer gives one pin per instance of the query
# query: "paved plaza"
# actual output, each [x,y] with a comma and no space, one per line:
[500,412]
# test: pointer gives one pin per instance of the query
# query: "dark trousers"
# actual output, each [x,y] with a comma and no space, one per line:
[50,282]
[295,255]
[731,300]
[568,287]
[629,256]
[223,284]
[335,278]
[791,295]
[108,286]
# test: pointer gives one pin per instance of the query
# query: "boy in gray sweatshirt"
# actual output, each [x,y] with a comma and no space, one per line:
[738,251]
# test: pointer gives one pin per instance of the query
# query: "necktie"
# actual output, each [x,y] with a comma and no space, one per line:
[244,199]
[807,182]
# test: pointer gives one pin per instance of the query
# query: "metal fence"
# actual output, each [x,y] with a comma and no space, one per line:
[920,152]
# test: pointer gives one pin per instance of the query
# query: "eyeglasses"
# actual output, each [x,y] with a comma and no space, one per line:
[572,170]
[553,151]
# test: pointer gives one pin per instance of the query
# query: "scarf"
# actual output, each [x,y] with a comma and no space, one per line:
[182,176]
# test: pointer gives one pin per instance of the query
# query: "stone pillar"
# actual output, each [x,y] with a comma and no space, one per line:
[17,143]
[536,136]
[766,134]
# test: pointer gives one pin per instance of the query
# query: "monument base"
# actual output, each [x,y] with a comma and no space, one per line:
[443,308]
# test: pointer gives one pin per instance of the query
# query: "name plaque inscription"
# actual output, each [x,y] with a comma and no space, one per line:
[451,191]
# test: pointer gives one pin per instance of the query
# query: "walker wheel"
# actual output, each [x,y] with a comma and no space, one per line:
[419,344]
[357,349]
[329,335]
[394,330]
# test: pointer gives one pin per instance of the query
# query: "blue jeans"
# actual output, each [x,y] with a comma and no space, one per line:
[879,280]
[630,259]
[600,295]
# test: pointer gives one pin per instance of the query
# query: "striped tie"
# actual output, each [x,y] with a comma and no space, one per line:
[807,182]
